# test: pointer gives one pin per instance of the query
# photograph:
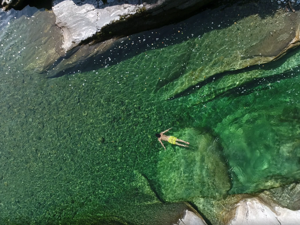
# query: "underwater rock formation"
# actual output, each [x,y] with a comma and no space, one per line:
[286,196]
[199,171]
[242,143]
[250,40]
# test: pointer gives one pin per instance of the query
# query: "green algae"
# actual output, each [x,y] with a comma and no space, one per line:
[197,171]
[81,149]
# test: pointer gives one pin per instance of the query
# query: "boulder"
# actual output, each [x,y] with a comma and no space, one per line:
[191,218]
[286,196]
[244,43]
[79,23]
[85,23]
[252,211]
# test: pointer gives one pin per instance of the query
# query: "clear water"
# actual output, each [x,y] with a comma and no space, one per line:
[81,148]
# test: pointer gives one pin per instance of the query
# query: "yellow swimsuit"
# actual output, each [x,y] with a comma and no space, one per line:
[172,140]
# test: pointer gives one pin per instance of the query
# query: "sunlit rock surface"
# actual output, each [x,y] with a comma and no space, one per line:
[190,218]
[79,23]
[118,19]
[273,206]
[253,211]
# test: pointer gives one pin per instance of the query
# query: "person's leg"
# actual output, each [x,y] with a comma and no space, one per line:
[181,144]
[182,141]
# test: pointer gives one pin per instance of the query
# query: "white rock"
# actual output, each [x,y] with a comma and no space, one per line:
[190,218]
[81,22]
[251,211]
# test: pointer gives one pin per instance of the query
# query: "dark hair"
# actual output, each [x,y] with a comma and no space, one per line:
[157,135]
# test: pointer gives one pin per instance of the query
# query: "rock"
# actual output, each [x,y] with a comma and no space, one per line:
[185,174]
[85,23]
[254,211]
[287,196]
[79,23]
[145,192]
[191,218]
[270,38]
[247,209]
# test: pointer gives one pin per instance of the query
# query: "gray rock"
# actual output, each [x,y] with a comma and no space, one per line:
[191,218]
[286,196]
[79,23]
[254,211]
[86,23]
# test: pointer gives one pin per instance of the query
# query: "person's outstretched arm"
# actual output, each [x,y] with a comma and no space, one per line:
[162,144]
[167,130]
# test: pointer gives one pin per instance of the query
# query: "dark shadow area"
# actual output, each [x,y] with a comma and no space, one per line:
[209,18]
[21,4]
[199,211]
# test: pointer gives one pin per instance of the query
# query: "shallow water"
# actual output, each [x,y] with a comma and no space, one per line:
[81,147]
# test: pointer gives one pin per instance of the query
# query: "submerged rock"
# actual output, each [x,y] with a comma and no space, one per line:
[286,196]
[198,171]
[250,40]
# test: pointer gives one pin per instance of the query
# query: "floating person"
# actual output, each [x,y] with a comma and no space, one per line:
[170,139]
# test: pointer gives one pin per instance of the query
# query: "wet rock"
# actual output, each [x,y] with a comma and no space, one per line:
[141,183]
[191,218]
[86,23]
[250,40]
[246,209]
[254,211]
[187,173]
[79,23]
[286,196]
[35,50]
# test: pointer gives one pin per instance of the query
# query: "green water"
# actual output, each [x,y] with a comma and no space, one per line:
[81,148]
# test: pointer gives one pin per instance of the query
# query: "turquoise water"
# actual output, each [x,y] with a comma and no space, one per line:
[81,148]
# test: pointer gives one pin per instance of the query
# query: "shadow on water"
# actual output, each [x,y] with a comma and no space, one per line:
[212,17]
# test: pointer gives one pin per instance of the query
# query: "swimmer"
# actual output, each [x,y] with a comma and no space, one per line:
[170,139]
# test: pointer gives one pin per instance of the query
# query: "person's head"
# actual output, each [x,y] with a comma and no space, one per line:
[157,135]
